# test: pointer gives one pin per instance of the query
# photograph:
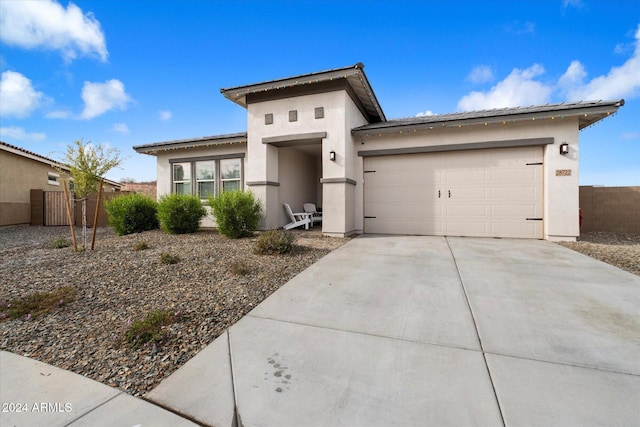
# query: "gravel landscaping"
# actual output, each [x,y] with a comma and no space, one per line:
[215,282]
[619,249]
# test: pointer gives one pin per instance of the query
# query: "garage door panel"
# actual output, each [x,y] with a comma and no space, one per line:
[465,176]
[513,194]
[471,193]
[466,194]
[522,211]
[512,175]
[468,211]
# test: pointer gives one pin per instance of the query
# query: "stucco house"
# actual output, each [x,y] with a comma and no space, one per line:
[323,138]
[21,171]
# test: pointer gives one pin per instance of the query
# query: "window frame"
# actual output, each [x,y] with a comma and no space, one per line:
[218,186]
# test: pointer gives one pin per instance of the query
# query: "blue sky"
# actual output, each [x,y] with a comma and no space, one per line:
[124,73]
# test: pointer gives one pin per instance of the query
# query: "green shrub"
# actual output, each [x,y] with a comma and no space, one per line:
[237,213]
[132,213]
[60,242]
[167,258]
[151,329]
[34,305]
[274,242]
[180,213]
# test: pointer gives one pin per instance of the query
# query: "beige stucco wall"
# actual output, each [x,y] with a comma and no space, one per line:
[18,175]
[560,192]
[266,165]
[164,167]
[298,180]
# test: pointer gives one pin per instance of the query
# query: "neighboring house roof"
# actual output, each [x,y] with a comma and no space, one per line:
[42,159]
[204,141]
[353,75]
[588,112]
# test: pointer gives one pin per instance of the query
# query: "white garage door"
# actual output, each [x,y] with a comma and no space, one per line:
[489,193]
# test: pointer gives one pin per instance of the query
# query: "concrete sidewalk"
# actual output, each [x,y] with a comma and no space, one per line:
[403,330]
[394,330]
[36,394]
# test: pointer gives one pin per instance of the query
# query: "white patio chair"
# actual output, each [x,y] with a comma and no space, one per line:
[297,219]
[315,215]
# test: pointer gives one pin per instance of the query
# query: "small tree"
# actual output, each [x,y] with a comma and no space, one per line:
[87,164]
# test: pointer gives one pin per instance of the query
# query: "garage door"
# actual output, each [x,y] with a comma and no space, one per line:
[489,193]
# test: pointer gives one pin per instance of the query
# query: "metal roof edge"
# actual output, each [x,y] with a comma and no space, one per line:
[491,116]
[191,142]
[42,159]
[358,65]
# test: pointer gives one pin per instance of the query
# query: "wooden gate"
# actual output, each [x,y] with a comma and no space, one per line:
[55,211]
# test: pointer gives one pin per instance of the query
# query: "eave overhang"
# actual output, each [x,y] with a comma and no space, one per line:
[588,113]
[353,76]
[205,141]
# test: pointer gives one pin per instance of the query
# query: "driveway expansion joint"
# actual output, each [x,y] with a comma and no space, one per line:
[475,325]
[328,328]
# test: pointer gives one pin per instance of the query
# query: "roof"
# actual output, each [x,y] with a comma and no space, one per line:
[588,112]
[353,75]
[42,159]
[204,141]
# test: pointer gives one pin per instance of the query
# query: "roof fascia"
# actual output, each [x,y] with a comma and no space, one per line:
[37,158]
[390,126]
[154,148]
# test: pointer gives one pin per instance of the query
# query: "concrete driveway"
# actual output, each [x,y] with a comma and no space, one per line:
[405,330]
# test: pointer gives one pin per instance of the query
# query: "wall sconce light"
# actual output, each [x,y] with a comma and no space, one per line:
[332,156]
[564,148]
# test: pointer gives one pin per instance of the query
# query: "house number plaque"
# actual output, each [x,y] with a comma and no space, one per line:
[563,172]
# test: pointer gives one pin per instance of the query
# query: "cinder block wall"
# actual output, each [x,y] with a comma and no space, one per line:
[610,209]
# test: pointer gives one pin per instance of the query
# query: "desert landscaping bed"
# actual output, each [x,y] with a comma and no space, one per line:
[619,249]
[215,282]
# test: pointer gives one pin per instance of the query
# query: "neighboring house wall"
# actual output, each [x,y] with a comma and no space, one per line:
[560,192]
[18,175]
[610,209]
[148,189]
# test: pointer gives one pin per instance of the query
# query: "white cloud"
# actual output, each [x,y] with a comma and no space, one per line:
[426,113]
[18,98]
[101,97]
[481,74]
[58,114]
[517,89]
[165,115]
[629,136]
[520,28]
[572,3]
[619,82]
[47,24]
[19,134]
[121,127]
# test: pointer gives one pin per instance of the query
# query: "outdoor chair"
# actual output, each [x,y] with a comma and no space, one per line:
[297,219]
[315,215]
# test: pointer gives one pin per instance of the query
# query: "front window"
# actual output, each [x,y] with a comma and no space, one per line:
[182,178]
[206,177]
[230,174]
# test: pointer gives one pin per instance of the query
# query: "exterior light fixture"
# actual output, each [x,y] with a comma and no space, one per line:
[564,148]
[332,156]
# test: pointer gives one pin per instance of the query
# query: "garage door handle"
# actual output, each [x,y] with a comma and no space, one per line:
[449,193]
[438,194]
